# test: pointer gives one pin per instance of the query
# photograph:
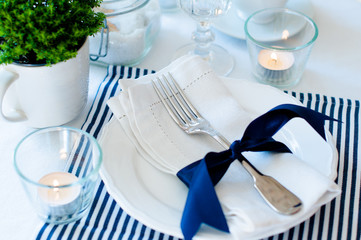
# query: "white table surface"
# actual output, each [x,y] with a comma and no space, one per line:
[334,69]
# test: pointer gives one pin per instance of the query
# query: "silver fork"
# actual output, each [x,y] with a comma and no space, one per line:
[190,120]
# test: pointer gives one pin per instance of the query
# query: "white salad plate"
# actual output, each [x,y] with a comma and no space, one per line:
[232,25]
[157,199]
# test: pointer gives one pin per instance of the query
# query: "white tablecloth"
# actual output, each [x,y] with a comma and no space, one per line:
[334,69]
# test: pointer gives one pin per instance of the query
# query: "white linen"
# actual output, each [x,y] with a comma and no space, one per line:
[161,142]
[156,131]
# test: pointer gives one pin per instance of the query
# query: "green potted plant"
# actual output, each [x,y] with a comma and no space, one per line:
[46,31]
[43,45]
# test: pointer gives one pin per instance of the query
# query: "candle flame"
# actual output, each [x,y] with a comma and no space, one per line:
[55,183]
[285,34]
[274,57]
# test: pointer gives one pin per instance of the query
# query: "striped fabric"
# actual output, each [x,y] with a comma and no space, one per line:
[339,219]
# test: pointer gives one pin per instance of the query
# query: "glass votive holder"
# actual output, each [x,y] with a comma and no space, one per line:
[59,168]
[279,42]
[131,27]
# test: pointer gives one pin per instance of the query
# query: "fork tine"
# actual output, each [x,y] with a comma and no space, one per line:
[186,101]
[180,100]
[173,101]
[171,109]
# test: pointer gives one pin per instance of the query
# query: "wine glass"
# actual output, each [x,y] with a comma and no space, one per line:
[203,11]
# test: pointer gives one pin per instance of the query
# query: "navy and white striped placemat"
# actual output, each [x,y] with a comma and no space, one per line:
[339,219]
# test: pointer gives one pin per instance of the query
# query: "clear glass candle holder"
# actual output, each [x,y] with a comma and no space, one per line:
[59,167]
[279,43]
[131,27]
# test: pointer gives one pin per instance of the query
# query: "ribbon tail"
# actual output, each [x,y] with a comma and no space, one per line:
[315,119]
[276,118]
[202,205]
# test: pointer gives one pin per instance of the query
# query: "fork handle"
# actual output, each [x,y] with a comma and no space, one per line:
[221,140]
[275,194]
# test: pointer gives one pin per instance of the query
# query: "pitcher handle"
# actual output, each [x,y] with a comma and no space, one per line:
[7,78]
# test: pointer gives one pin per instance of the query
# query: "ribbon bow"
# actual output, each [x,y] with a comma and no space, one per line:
[202,205]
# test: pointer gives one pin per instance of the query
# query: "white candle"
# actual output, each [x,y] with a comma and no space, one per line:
[276,66]
[274,60]
[59,200]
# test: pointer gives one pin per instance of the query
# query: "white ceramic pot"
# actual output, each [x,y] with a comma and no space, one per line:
[44,96]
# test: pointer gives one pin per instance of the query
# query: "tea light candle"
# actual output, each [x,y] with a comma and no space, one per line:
[275,65]
[274,60]
[59,200]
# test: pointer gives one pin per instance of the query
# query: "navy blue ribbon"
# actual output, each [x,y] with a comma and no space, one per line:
[202,205]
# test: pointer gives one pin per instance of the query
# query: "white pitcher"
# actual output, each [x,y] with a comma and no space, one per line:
[45,96]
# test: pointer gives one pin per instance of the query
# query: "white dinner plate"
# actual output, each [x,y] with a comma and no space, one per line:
[233,25]
[157,199]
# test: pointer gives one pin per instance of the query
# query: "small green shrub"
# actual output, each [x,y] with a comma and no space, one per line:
[45,31]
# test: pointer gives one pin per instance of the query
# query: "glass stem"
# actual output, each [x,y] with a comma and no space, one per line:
[203,37]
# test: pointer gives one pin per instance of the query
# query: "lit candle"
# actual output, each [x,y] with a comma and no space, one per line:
[58,200]
[274,60]
[275,65]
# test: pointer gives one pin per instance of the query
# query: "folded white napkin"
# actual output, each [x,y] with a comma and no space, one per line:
[158,135]
[161,142]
